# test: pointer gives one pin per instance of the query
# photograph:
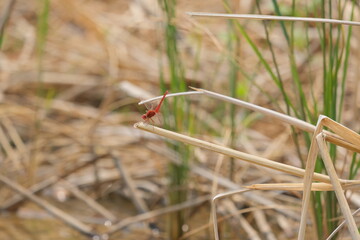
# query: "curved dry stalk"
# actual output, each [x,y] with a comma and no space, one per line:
[170,95]
[213,208]
[340,226]
[339,139]
[300,124]
[267,112]
[272,17]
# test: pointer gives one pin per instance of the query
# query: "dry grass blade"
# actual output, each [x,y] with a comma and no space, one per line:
[300,186]
[233,153]
[309,172]
[332,138]
[342,131]
[272,17]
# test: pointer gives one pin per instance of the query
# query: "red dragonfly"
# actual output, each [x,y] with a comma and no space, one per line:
[152,112]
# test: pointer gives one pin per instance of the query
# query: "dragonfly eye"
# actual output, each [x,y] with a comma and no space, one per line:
[143,116]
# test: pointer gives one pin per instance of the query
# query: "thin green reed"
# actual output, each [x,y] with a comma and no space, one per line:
[317,196]
[302,104]
[354,167]
[329,87]
[178,174]
[335,54]
[233,43]
[346,61]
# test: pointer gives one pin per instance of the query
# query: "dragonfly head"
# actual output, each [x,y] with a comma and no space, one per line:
[143,116]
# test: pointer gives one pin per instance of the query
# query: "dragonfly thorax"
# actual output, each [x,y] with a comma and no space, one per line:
[150,113]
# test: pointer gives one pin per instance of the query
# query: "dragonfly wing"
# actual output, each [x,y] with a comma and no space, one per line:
[150,105]
[158,119]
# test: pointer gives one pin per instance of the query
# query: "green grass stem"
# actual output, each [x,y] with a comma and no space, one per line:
[178,174]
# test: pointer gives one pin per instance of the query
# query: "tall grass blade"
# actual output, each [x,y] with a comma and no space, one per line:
[178,173]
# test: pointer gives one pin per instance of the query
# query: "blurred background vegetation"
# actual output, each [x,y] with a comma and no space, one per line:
[72,73]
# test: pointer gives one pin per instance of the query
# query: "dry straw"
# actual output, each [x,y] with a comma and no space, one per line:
[234,153]
[271,17]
